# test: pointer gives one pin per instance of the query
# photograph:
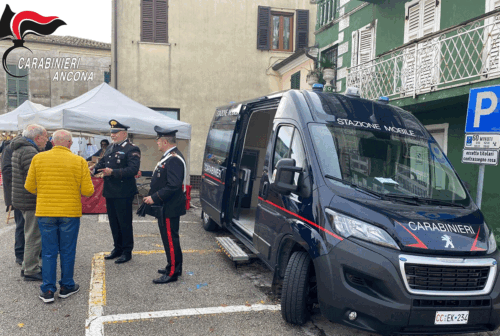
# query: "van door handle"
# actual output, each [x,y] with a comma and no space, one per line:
[265,189]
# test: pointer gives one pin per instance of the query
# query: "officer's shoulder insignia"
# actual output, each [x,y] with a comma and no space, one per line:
[136,154]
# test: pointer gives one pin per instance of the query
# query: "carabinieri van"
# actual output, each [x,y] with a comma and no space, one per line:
[354,206]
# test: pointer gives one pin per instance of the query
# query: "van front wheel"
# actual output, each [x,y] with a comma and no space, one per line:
[296,291]
[208,223]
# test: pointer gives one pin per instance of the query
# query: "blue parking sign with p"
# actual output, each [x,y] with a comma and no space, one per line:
[483,111]
[469,140]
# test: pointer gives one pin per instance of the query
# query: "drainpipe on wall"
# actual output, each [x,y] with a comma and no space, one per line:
[115,43]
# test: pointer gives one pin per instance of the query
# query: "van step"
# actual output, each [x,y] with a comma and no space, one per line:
[233,251]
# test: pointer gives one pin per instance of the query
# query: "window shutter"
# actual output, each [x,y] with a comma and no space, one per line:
[493,42]
[147,16]
[263,26]
[354,48]
[408,69]
[161,15]
[11,90]
[295,81]
[413,23]
[365,44]
[302,36]
[428,9]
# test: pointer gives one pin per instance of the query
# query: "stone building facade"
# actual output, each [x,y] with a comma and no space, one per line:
[57,69]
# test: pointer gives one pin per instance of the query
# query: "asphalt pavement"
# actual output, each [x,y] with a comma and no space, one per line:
[212,297]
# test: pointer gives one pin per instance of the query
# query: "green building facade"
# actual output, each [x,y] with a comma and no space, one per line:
[425,55]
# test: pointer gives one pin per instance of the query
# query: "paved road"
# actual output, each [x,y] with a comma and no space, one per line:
[211,298]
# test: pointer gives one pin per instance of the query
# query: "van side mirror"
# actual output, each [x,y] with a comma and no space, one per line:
[285,171]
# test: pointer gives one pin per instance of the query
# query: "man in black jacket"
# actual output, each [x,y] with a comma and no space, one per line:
[7,193]
[166,190]
[24,149]
[119,165]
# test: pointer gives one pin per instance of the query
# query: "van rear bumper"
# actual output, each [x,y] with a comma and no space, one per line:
[353,278]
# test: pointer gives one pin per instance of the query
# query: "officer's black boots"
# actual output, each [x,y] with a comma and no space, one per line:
[124,258]
[114,254]
[164,270]
[165,279]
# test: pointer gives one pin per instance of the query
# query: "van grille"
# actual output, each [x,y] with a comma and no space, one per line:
[451,303]
[446,278]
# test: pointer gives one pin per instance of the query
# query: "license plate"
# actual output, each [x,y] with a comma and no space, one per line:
[451,317]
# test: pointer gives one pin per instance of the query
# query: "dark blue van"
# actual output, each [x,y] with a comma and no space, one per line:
[354,206]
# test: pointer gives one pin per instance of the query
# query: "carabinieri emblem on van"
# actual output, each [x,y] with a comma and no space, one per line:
[448,241]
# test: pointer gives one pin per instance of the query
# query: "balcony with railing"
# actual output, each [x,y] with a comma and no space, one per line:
[460,55]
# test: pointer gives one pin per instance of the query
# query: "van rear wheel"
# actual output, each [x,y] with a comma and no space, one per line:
[208,223]
[296,294]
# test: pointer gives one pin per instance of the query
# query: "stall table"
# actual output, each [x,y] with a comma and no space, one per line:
[95,204]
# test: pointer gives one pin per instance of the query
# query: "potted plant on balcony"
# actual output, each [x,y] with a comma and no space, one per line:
[313,76]
[328,70]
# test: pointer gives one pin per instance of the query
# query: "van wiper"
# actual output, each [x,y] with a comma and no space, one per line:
[355,186]
[440,202]
[426,200]
[413,200]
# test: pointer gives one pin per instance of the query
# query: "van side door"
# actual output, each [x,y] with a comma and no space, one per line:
[216,162]
[275,211]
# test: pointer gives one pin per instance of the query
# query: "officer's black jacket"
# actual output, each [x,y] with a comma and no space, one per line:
[125,160]
[166,186]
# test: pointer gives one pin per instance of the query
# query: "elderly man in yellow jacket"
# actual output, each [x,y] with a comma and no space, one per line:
[59,178]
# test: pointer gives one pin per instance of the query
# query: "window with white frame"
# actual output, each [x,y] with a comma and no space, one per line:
[422,17]
[440,133]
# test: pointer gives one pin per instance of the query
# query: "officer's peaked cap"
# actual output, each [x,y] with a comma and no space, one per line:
[161,132]
[117,126]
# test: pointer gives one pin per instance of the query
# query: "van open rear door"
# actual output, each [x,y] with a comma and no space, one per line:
[217,172]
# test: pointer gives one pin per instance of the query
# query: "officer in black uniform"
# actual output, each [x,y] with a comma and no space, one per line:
[119,165]
[166,190]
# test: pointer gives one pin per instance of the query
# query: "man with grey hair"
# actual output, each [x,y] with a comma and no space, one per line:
[24,148]
[58,174]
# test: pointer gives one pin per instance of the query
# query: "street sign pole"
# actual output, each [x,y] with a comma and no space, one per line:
[482,145]
[480,181]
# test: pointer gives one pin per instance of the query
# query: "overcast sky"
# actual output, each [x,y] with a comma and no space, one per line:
[90,19]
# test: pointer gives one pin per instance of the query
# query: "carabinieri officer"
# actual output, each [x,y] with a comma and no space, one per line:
[166,190]
[119,165]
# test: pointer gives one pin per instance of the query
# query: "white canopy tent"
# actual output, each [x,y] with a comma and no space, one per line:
[8,121]
[92,111]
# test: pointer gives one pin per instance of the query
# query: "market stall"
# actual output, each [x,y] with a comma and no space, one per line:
[91,112]
[9,122]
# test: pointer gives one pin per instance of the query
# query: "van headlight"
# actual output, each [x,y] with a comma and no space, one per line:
[492,243]
[347,226]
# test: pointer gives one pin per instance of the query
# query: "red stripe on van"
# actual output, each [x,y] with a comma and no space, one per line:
[302,218]
[420,244]
[474,247]
[213,178]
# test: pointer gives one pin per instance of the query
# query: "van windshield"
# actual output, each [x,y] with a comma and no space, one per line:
[387,163]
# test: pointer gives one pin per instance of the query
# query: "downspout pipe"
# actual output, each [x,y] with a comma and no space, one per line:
[115,43]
